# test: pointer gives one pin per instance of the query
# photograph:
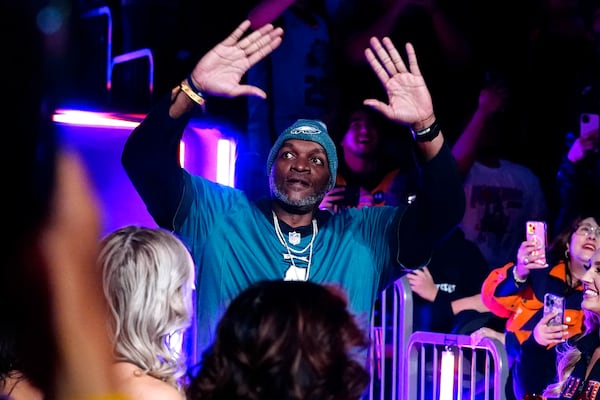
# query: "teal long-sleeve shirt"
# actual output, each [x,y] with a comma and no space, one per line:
[233,239]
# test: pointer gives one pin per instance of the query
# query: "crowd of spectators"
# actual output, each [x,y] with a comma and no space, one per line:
[512,109]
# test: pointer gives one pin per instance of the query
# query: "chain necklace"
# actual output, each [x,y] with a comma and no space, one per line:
[295,273]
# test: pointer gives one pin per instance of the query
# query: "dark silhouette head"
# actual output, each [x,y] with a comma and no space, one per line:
[284,340]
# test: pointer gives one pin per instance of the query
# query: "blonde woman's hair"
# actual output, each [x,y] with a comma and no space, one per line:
[148,281]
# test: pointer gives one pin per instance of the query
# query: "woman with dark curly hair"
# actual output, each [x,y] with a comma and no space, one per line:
[14,384]
[285,340]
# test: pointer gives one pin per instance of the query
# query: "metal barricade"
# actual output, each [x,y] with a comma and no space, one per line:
[389,338]
[444,366]
[407,365]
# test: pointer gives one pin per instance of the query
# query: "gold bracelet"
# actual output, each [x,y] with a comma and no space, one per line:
[195,97]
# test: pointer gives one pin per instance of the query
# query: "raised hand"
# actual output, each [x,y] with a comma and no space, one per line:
[584,146]
[492,99]
[409,99]
[219,72]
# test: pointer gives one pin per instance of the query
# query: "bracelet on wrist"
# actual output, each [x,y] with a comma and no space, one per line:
[190,83]
[196,96]
[518,281]
[427,134]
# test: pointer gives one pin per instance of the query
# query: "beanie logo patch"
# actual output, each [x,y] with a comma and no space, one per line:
[305,130]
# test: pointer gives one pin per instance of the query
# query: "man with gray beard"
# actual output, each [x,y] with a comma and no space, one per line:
[236,242]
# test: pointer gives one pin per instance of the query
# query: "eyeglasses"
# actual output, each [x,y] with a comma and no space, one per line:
[586,230]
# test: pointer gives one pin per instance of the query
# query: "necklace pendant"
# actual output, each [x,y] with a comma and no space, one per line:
[294,238]
[295,273]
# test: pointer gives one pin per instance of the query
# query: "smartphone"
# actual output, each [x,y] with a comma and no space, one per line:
[588,123]
[351,196]
[537,230]
[554,304]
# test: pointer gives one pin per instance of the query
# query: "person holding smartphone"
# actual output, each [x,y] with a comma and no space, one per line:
[516,291]
[376,165]
[578,177]
[502,193]
[577,182]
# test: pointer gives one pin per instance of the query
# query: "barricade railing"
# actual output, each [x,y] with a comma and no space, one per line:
[406,365]
[389,338]
[445,366]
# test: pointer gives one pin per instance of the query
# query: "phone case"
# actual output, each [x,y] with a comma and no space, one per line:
[588,123]
[537,230]
[351,195]
[552,304]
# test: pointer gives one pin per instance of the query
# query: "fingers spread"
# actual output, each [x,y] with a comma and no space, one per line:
[383,54]
[255,38]
[249,90]
[237,34]
[376,65]
[412,60]
[397,64]
[379,106]
[258,47]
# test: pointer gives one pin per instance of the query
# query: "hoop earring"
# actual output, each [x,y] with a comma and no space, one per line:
[567,255]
